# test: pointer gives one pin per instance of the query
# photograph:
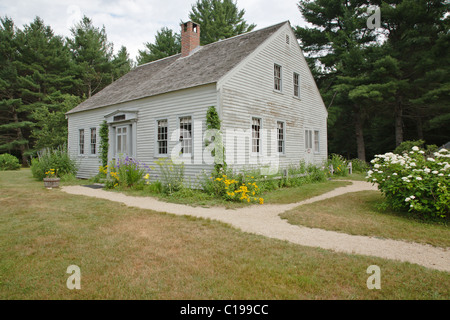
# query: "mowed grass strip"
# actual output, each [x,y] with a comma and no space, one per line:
[129,253]
[359,214]
[198,198]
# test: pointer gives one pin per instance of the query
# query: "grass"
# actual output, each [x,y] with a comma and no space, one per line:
[359,213]
[129,253]
[198,198]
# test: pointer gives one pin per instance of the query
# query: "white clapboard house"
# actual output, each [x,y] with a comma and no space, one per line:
[259,83]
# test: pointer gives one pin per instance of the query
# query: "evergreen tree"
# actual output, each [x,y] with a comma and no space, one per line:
[13,122]
[336,47]
[92,55]
[121,64]
[167,43]
[219,19]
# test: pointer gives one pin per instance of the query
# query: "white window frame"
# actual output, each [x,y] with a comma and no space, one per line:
[283,140]
[189,139]
[308,139]
[277,79]
[316,141]
[296,85]
[158,140]
[93,141]
[122,135]
[81,141]
[256,135]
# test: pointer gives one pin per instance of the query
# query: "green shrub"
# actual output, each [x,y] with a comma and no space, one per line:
[58,159]
[126,172]
[414,181]
[172,175]
[339,164]
[8,162]
[359,166]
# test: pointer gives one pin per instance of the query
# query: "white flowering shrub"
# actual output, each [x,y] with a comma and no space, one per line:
[414,182]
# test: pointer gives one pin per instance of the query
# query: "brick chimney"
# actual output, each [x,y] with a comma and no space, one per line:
[190,37]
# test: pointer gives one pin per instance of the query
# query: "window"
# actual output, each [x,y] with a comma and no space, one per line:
[121,140]
[119,117]
[308,139]
[162,136]
[316,141]
[280,136]
[287,39]
[93,141]
[81,141]
[296,85]
[256,137]
[277,77]
[186,135]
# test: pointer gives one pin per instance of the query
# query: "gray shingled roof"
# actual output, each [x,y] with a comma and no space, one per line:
[206,65]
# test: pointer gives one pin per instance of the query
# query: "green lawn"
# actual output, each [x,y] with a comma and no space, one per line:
[198,198]
[129,253]
[359,213]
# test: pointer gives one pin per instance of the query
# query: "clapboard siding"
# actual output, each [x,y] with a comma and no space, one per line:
[249,91]
[192,102]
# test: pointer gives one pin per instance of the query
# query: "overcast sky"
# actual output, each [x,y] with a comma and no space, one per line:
[131,23]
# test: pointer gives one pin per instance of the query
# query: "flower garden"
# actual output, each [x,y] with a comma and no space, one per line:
[414,181]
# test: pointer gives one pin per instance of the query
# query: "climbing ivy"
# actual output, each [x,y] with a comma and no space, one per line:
[213,123]
[104,142]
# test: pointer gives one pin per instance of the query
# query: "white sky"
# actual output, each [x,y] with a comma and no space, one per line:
[134,22]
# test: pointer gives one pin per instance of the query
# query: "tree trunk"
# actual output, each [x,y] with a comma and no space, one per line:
[359,134]
[398,124]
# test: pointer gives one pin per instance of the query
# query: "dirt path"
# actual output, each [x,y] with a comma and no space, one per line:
[264,220]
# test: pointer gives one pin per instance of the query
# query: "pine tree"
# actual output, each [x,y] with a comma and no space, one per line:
[167,43]
[92,55]
[121,64]
[219,19]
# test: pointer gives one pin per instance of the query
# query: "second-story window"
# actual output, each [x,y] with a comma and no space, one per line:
[296,85]
[277,77]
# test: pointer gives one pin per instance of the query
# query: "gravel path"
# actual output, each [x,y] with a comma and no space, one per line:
[264,220]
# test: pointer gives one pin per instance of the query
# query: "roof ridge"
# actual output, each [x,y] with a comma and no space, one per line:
[246,33]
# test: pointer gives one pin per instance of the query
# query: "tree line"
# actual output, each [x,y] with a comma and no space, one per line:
[382,85]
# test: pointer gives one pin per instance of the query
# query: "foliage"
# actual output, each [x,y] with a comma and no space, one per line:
[8,162]
[167,43]
[51,174]
[213,126]
[218,19]
[248,185]
[390,83]
[406,146]
[339,164]
[414,181]
[43,75]
[172,175]
[50,129]
[359,166]
[232,187]
[57,159]
[126,172]
[104,142]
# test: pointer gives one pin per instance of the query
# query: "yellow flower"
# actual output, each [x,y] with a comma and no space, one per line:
[261,201]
